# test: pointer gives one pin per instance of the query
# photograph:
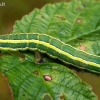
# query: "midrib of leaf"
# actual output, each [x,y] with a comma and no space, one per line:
[88,33]
[36,12]
[18,27]
[52,18]
[50,90]
[77,16]
[72,89]
[25,79]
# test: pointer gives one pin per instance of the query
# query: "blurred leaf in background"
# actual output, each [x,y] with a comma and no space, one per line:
[16,9]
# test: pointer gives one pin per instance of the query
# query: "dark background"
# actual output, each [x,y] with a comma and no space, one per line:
[15,10]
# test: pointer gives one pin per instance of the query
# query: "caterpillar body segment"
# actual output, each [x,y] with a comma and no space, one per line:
[51,46]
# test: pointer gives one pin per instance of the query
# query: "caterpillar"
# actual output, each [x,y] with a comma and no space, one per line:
[51,46]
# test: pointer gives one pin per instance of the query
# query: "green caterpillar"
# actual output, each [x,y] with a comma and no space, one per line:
[53,47]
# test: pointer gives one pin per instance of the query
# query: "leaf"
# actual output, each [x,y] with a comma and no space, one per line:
[31,81]
[76,23]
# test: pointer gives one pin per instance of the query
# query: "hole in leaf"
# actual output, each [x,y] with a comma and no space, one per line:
[79,20]
[47,77]
[61,17]
[47,97]
[83,47]
[62,97]
[21,59]
[36,72]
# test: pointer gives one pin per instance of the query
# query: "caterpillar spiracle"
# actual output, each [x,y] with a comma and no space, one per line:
[51,46]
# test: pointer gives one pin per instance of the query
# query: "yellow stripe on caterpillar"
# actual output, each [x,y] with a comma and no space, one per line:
[52,47]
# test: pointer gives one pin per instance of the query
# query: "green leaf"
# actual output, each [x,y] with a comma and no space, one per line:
[76,23]
[31,81]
